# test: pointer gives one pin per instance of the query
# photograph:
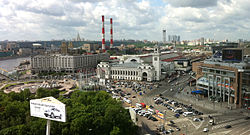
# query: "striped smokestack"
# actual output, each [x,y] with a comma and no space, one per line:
[103,34]
[111,33]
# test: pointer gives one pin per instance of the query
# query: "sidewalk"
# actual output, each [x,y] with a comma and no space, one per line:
[221,107]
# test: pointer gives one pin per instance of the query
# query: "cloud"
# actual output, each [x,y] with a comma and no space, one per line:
[192,3]
[142,19]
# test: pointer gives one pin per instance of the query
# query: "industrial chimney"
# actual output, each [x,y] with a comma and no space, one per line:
[103,34]
[111,33]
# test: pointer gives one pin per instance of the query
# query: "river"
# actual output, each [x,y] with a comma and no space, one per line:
[10,64]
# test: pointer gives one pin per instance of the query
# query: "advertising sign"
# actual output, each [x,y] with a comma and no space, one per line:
[48,108]
[232,55]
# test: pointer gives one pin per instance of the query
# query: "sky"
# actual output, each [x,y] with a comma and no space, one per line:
[132,19]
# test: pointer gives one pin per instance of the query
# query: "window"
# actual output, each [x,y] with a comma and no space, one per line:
[223,72]
[204,70]
[217,71]
[211,70]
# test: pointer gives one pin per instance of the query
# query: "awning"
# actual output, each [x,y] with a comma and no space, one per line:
[197,92]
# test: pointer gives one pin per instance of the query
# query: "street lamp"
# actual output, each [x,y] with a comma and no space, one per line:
[185,126]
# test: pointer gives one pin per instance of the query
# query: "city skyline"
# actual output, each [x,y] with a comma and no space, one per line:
[139,20]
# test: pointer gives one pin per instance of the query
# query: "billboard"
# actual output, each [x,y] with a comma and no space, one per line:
[232,55]
[48,108]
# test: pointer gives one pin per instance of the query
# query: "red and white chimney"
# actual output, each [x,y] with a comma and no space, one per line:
[103,34]
[111,33]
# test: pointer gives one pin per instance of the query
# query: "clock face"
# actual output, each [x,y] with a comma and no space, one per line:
[155,58]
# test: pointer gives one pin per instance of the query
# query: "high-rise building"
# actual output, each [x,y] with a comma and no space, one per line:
[164,36]
[202,40]
[78,37]
[174,38]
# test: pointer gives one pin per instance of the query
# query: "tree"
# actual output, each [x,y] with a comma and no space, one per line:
[88,113]
[115,131]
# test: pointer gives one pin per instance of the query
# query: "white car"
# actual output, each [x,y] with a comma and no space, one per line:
[205,130]
[128,101]
[53,113]
[196,119]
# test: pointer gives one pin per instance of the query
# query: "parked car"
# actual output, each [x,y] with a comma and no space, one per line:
[177,115]
[172,122]
[170,130]
[228,126]
[177,129]
[152,118]
[196,119]
[205,130]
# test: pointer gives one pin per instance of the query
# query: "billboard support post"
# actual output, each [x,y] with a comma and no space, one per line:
[48,128]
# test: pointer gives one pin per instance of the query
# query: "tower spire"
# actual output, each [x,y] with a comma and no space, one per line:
[78,37]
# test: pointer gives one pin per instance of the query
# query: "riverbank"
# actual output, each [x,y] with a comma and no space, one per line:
[12,57]
[11,64]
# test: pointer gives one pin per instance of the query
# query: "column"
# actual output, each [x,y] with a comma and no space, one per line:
[228,91]
[224,81]
[220,87]
[216,87]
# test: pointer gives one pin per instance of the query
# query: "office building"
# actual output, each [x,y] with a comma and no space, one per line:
[227,78]
[91,47]
[174,38]
[66,63]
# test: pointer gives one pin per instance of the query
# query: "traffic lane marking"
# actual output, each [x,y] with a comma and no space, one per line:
[245,132]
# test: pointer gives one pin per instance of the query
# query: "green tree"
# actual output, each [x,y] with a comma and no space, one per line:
[88,113]
[115,131]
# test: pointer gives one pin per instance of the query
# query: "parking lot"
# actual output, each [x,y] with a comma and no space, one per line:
[181,116]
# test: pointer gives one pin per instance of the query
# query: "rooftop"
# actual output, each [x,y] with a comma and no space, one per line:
[128,65]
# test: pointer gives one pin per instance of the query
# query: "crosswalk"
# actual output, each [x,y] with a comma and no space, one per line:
[213,115]
[229,123]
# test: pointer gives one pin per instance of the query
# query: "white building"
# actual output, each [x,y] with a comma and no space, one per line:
[134,68]
[66,63]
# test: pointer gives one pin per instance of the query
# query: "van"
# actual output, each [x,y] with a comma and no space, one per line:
[138,105]
[186,114]
[177,110]
[128,101]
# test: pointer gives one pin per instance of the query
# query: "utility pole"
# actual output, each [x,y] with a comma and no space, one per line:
[80,80]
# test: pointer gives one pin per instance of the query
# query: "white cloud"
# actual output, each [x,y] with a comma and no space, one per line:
[192,3]
[142,19]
